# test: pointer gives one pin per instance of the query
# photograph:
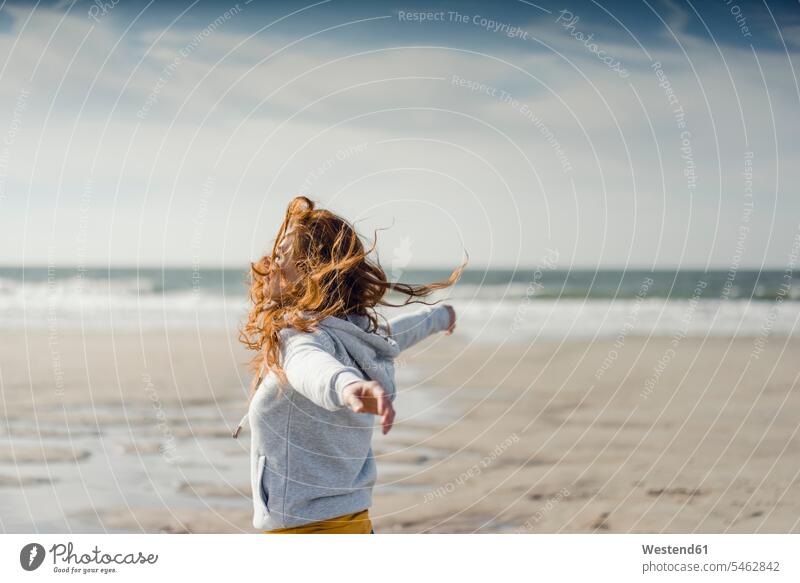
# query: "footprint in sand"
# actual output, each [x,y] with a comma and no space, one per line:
[602,522]
[676,492]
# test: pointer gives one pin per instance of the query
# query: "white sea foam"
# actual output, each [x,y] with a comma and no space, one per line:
[586,319]
[491,313]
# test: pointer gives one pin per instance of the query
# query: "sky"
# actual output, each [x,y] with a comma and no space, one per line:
[659,134]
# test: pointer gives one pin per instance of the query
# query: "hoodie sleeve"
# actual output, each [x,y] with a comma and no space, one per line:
[414,327]
[313,371]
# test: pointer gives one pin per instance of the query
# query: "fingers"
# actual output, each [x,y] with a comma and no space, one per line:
[452,325]
[382,401]
[384,407]
[355,404]
[374,397]
[366,397]
[388,419]
[371,397]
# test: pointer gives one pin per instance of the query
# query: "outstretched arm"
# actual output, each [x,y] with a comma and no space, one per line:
[313,371]
[414,327]
[316,374]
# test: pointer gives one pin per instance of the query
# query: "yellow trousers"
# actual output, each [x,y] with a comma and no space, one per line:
[356,523]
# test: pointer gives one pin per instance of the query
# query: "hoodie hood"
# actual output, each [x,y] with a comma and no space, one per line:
[371,351]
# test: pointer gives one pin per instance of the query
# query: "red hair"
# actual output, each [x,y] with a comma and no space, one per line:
[336,278]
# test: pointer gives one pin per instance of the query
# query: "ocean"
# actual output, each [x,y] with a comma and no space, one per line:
[493,304]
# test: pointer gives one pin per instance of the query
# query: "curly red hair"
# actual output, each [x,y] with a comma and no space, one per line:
[337,278]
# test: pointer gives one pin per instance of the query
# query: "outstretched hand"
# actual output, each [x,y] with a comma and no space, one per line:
[452,325]
[370,397]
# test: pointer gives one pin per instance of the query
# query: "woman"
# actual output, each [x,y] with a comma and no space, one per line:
[326,367]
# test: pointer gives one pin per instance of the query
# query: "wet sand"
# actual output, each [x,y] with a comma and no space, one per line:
[131,433]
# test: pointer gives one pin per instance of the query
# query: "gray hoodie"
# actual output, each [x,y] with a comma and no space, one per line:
[311,457]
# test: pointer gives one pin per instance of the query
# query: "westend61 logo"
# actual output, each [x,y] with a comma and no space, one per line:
[32,556]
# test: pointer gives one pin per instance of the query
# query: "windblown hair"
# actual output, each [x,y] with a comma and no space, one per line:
[336,278]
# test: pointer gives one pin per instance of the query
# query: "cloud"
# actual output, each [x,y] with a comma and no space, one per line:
[145,122]
[790,35]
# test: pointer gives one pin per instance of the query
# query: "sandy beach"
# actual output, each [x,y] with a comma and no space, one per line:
[130,432]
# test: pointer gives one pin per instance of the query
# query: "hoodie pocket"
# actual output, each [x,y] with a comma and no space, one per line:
[262,490]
